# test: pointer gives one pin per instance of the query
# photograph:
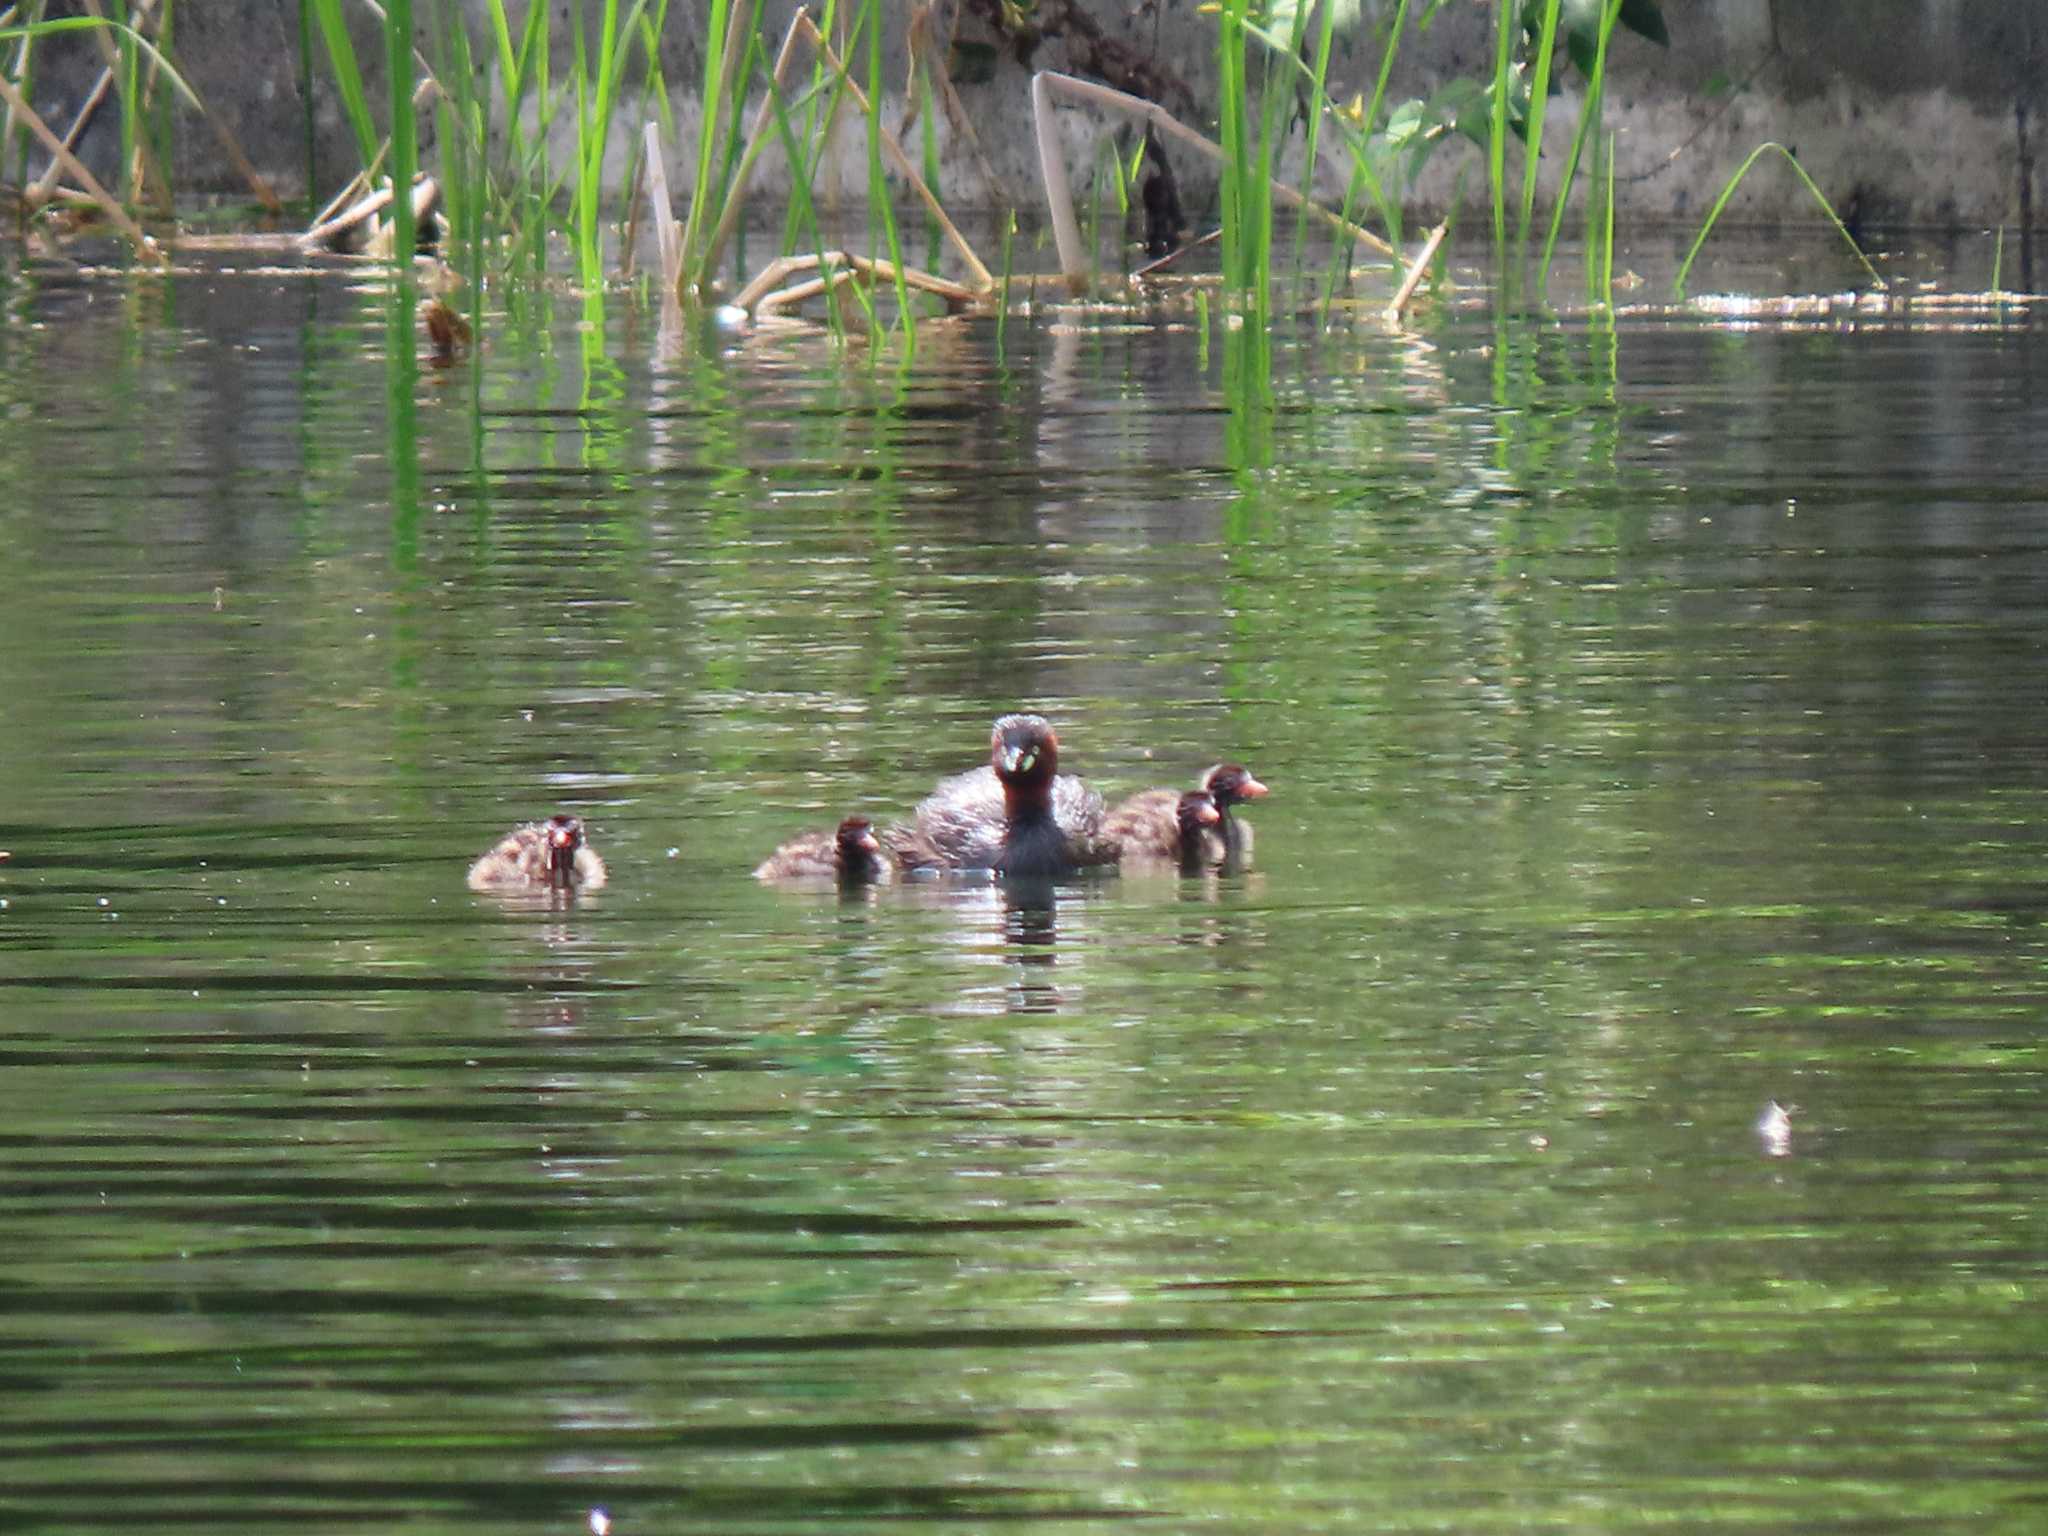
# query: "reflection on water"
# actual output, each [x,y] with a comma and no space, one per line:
[1651,714]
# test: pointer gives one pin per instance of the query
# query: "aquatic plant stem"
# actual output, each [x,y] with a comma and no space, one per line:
[75,168]
[1728,191]
[1497,131]
[1590,115]
[1047,85]
[1532,145]
[802,25]
[404,132]
[348,78]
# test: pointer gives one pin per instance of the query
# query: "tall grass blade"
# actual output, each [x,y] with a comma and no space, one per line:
[348,77]
[1532,147]
[802,219]
[306,101]
[1234,132]
[1319,75]
[718,21]
[1728,191]
[128,90]
[1497,127]
[1590,117]
[1607,232]
[878,185]
[404,132]
[1003,292]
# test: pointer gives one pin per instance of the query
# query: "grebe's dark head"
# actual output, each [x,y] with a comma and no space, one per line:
[564,835]
[1023,750]
[1231,783]
[857,840]
[1196,810]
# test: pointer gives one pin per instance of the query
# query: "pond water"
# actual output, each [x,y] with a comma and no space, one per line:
[1653,715]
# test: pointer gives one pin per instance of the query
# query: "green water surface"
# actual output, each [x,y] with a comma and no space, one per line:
[1653,714]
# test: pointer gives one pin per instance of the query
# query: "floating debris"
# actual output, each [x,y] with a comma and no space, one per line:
[1774,1129]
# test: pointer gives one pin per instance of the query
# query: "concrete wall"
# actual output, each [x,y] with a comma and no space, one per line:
[1906,111]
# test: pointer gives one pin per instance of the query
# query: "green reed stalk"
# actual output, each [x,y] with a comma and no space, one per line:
[1275,101]
[465,181]
[531,185]
[1319,74]
[1589,121]
[1532,147]
[157,104]
[348,77]
[1247,201]
[1728,191]
[1003,281]
[821,96]
[802,214]
[743,45]
[878,187]
[717,21]
[593,128]
[647,29]
[1497,131]
[1998,260]
[522,70]
[1607,231]
[1395,28]
[23,75]
[1232,191]
[404,131]
[306,103]
[127,87]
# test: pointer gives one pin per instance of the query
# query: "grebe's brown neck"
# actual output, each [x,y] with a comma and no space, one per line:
[564,837]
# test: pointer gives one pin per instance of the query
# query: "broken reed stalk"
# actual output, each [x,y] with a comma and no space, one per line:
[75,169]
[1416,268]
[926,50]
[668,235]
[764,291]
[1053,166]
[348,218]
[802,26]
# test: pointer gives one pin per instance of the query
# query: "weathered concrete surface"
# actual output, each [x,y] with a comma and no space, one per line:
[1904,111]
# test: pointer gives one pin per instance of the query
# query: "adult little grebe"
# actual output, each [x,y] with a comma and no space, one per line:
[1019,816]
[1158,827]
[850,854]
[540,856]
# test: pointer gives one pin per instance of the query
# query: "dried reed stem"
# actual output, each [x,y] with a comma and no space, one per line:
[802,26]
[1052,165]
[1413,279]
[75,169]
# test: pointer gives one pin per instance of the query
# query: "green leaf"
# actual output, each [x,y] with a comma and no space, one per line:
[1646,19]
[1579,23]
